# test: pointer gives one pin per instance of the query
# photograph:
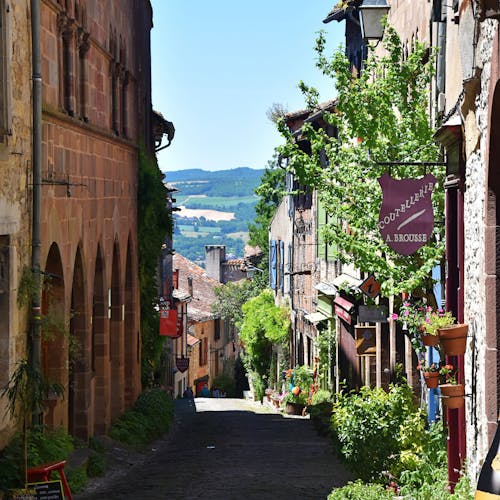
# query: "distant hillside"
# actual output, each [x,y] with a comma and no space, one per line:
[239,182]
[217,208]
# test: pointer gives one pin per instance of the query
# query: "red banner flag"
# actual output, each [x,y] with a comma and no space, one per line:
[168,323]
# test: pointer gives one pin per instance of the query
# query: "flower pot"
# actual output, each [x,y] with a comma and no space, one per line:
[430,340]
[294,408]
[453,395]
[431,379]
[453,339]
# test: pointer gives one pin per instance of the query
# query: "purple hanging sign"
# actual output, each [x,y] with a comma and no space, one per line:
[406,218]
[182,364]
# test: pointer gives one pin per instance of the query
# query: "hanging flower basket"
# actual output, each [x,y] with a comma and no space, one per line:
[453,339]
[431,379]
[453,395]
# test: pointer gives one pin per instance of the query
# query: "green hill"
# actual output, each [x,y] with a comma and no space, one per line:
[223,190]
[239,182]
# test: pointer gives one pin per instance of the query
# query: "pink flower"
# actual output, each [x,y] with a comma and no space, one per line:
[394,316]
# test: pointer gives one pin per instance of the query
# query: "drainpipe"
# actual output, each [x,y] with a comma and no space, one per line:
[37,159]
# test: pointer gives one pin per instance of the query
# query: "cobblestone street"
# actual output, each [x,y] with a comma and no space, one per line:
[227,449]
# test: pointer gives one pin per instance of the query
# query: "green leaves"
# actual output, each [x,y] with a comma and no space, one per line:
[263,324]
[380,116]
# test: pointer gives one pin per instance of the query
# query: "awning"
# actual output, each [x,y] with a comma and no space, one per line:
[191,341]
[344,303]
[346,279]
[450,131]
[326,288]
[315,317]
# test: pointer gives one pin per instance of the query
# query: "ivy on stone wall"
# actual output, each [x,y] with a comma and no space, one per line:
[154,223]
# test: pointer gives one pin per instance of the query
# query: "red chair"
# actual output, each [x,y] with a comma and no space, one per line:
[43,473]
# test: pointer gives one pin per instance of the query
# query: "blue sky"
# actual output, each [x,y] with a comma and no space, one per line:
[218,66]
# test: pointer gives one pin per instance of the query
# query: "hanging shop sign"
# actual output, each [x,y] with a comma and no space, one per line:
[182,364]
[343,309]
[169,323]
[406,217]
[370,287]
[365,340]
[372,314]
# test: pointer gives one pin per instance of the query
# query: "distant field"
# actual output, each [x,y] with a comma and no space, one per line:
[185,228]
[215,201]
[208,214]
[242,234]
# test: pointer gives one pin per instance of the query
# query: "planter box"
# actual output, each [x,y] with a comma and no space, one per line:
[294,408]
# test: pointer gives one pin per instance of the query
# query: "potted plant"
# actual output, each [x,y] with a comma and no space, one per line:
[300,380]
[452,392]
[412,317]
[430,372]
[453,338]
[435,320]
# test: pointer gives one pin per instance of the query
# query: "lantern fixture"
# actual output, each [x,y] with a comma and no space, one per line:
[371,14]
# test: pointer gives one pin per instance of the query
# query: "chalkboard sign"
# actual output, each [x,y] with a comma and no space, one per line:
[48,490]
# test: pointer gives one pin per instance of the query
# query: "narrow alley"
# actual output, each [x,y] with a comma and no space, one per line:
[228,449]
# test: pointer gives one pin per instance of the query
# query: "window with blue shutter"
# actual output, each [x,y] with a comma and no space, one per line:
[282,266]
[273,264]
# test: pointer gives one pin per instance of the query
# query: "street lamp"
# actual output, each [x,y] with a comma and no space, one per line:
[251,270]
[371,15]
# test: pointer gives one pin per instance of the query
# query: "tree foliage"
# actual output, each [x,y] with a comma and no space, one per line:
[263,325]
[231,297]
[380,116]
[154,223]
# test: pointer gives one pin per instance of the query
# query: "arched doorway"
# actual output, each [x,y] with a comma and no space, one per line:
[99,359]
[132,340]
[54,351]
[79,372]
[116,339]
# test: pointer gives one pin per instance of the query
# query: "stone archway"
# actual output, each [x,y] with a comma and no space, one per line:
[132,340]
[116,346]
[99,358]
[54,350]
[79,351]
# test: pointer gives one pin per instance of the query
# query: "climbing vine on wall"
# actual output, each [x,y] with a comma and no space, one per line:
[154,223]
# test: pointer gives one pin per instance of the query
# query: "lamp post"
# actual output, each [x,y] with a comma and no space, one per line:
[251,270]
[371,14]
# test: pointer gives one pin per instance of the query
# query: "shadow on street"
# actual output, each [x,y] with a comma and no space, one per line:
[228,449]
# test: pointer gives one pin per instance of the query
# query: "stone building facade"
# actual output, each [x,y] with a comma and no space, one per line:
[97,114]
[15,185]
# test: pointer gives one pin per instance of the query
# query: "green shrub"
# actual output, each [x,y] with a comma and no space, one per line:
[373,427]
[96,465]
[77,479]
[359,491]
[424,466]
[44,445]
[322,396]
[147,420]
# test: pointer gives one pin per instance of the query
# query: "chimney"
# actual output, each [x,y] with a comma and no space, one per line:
[190,285]
[215,255]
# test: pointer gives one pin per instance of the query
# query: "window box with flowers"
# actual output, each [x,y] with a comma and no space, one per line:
[452,393]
